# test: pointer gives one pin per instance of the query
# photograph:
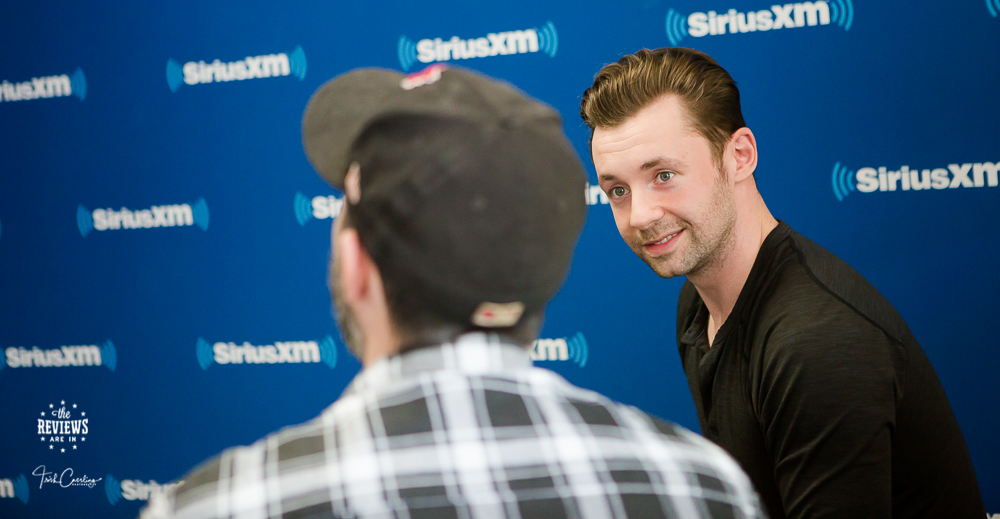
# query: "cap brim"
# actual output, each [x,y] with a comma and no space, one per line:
[337,114]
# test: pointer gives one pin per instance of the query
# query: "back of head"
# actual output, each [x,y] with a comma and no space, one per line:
[470,198]
[709,94]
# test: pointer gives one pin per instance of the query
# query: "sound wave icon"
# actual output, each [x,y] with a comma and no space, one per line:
[297,62]
[842,12]
[200,213]
[407,52]
[175,75]
[84,220]
[78,84]
[842,181]
[578,351]
[676,25]
[112,489]
[303,209]
[109,357]
[21,490]
[548,39]
[328,351]
[203,350]
[993,6]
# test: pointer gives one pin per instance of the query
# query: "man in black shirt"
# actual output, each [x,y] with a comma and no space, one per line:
[797,365]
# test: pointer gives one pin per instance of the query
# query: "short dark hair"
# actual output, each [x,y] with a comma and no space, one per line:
[707,91]
[421,324]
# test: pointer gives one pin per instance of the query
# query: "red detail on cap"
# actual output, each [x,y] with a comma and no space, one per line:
[428,71]
[425,77]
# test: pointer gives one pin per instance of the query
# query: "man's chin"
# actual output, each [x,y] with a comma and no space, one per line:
[663,267]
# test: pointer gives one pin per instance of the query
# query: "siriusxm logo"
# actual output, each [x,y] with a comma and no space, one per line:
[179,215]
[869,180]
[17,488]
[292,352]
[319,207]
[251,67]
[133,489]
[572,349]
[594,195]
[545,39]
[45,87]
[64,356]
[787,16]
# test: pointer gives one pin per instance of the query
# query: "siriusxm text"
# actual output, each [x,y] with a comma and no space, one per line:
[133,489]
[979,174]
[293,352]
[786,16]
[19,357]
[494,44]
[37,88]
[251,67]
[326,206]
[155,216]
[549,349]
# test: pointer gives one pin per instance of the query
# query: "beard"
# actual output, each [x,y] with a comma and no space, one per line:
[708,242]
[350,331]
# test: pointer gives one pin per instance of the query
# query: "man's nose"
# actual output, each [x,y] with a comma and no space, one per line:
[645,211]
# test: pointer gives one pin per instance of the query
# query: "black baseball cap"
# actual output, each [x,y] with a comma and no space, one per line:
[458,180]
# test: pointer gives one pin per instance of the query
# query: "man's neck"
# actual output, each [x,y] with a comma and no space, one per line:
[720,284]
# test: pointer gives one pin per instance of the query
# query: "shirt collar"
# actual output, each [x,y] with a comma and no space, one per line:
[473,353]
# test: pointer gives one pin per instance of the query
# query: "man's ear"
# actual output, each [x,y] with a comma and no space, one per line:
[743,147]
[354,265]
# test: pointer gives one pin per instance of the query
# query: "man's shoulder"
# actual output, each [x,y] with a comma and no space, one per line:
[815,289]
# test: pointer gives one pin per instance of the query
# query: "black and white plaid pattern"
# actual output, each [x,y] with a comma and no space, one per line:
[468,430]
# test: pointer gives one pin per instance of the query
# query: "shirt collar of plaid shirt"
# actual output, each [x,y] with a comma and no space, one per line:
[473,353]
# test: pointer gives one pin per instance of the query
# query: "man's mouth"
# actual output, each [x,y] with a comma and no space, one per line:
[663,240]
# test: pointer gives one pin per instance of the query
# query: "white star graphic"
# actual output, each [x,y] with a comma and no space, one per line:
[84,414]
[74,447]
[62,450]
[42,438]
[50,406]
[83,439]
[62,403]
[74,406]
[50,447]
[43,414]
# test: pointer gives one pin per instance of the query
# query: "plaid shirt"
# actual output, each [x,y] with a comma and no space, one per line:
[468,430]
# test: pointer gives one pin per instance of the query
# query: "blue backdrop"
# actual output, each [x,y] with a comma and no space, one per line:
[159,221]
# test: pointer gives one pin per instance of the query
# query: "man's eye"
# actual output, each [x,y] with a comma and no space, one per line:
[664,176]
[617,191]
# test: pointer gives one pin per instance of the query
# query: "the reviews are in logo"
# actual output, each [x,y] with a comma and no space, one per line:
[63,427]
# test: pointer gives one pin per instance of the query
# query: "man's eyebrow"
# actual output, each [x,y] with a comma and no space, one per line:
[606,177]
[661,162]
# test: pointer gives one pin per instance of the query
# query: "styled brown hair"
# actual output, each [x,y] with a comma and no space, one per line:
[707,91]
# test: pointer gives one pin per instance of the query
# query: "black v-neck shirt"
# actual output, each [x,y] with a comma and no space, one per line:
[816,386]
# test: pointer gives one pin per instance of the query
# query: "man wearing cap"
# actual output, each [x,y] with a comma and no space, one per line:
[463,204]
[797,365]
